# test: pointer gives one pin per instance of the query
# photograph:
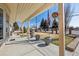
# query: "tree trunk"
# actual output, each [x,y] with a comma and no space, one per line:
[70,31]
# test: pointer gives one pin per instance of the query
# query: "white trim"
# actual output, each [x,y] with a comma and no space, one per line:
[4,24]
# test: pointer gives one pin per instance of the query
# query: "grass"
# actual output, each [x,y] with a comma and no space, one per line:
[68,40]
[56,42]
[43,35]
[55,38]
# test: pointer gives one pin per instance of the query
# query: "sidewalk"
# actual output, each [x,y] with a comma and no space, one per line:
[75,53]
[23,48]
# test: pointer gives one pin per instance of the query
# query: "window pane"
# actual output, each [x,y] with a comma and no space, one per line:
[1,24]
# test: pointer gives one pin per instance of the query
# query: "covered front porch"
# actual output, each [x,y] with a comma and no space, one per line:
[12,41]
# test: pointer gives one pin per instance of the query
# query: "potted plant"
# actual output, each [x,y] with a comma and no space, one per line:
[37,37]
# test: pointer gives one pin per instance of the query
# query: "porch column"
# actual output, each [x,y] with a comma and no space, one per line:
[61,30]
[22,28]
[28,31]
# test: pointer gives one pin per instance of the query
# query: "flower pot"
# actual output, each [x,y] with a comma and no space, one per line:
[37,37]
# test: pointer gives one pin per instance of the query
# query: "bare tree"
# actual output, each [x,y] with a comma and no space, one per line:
[68,15]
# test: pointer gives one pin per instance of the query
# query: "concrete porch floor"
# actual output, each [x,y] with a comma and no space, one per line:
[21,47]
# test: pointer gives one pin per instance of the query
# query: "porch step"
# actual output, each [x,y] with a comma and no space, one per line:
[72,46]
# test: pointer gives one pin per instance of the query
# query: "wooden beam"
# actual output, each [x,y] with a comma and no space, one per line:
[40,10]
[61,30]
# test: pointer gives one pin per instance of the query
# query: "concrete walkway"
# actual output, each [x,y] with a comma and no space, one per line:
[75,53]
[21,47]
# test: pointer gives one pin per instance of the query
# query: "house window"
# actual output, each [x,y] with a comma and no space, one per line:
[1,24]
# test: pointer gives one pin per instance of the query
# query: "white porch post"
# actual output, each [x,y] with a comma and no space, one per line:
[22,28]
[61,30]
[10,27]
[28,30]
[4,26]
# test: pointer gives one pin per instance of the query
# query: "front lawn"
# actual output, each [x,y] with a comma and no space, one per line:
[55,38]
[67,40]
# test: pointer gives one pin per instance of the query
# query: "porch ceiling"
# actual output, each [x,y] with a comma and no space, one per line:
[22,11]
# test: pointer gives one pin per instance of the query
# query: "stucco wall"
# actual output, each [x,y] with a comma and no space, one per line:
[5,11]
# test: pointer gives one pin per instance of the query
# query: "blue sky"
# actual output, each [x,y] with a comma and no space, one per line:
[40,16]
[75,19]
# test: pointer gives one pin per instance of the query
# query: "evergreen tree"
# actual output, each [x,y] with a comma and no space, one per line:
[42,24]
[24,30]
[55,23]
[46,25]
[15,25]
